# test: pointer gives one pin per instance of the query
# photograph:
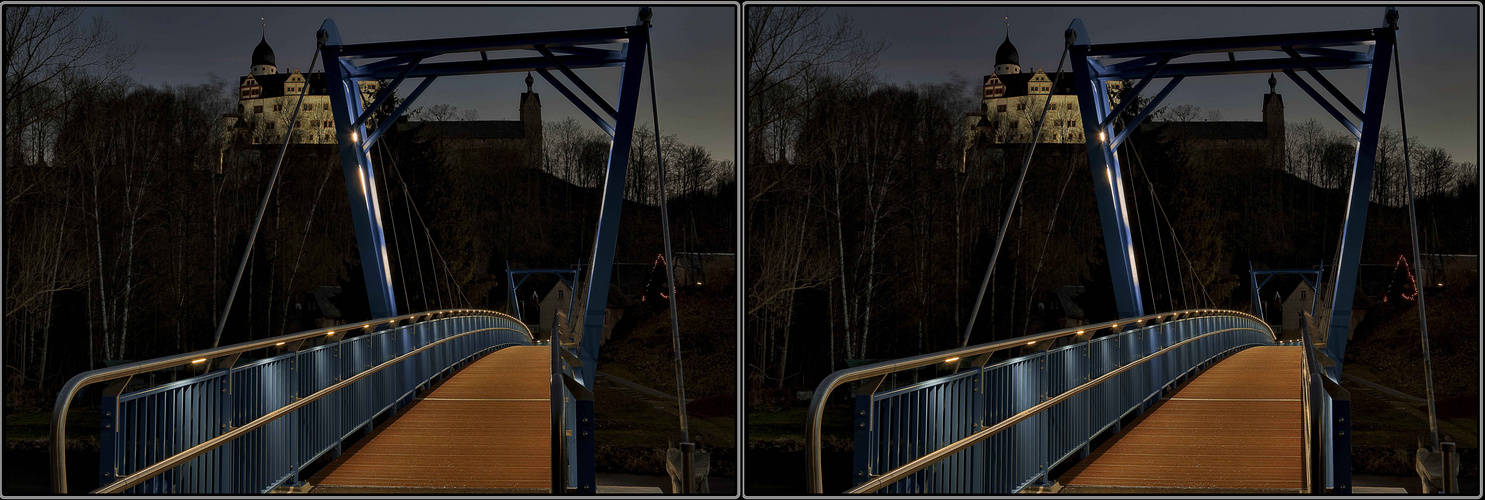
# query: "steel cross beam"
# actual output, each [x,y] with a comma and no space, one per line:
[562,51]
[1310,276]
[1309,52]
[568,276]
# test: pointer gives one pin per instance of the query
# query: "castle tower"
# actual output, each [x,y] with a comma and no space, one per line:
[1273,121]
[263,60]
[531,123]
[1007,60]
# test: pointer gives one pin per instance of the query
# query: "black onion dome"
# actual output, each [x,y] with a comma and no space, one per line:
[263,54]
[1007,53]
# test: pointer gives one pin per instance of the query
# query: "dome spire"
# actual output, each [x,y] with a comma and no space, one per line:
[1007,59]
[529,81]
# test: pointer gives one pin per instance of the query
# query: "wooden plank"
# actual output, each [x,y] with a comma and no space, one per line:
[487,429]
[1237,427]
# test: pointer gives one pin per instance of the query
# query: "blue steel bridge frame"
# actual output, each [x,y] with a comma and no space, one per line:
[1095,64]
[1310,276]
[546,53]
[568,276]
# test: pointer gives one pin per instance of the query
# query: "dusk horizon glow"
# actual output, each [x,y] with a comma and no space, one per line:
[694,54]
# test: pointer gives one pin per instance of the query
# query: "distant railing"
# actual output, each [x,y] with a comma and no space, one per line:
[1327,414]
[250,428]
[569,399]
[996,428]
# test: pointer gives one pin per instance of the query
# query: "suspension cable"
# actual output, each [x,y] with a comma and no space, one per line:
[417,255]
[433,250]
[1181,249]
[1015,196]
[1135,201]
[1047,240]
[1159,239]
[675,322]
[1433,418]
[263,205]
[392,217]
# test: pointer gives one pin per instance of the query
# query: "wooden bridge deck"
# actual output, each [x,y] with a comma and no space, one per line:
[1236,428]
[487,429]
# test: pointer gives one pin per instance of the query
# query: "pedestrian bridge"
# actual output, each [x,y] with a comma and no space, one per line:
[452,401]
[1195,401]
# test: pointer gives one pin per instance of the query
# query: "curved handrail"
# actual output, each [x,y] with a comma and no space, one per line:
[814,471]
[64,398]
[175,460]
[924,461]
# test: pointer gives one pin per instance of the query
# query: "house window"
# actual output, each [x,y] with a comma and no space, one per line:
[327,107]
[1301,295]
[1000,108]
[278,107]
[258,108]
[309,107]
[1021,107]
[1069,105]
[270,125]
[559,295]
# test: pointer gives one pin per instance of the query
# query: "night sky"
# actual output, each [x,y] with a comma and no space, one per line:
[1439,47]
[694,50]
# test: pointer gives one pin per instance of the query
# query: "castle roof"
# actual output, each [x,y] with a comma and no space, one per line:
[1211,130]
[273,85]
[1016,83]
[1007,53]
[471,129]
[263,54]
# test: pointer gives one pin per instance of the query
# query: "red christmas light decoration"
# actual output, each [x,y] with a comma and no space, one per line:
[1412,285]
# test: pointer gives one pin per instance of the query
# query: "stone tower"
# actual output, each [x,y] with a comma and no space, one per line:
[531,123]
[263,60]
[1007,59]
[1273,122]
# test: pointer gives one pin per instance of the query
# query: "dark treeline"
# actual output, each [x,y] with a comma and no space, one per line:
[870,224]
[126,215]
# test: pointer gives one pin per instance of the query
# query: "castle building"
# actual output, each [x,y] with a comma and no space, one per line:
[266,100]
[1012,101]
[519,140]
[1260,143]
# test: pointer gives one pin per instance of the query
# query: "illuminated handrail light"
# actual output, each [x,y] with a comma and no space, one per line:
[1080,332]
[951,360]
[278,344]
[1032,342]
[202,360]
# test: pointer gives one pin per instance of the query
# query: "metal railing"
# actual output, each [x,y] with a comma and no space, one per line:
[567,395]
[223,431]
[1327,414]
[997,428]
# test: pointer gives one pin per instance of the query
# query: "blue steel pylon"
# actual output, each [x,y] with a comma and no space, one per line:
[1288,53]
[560,51]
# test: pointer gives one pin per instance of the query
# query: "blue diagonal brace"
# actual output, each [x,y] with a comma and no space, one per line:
[1324,82]
[586,51]
[600,273]
[1354,232]
[1144,113]
[1108,186]
[386,93]
[397,113]
[578,81]
[1324,103]
[1135,92]
[592,115]
[360,177]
